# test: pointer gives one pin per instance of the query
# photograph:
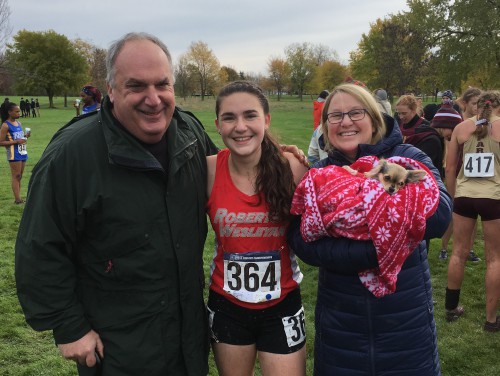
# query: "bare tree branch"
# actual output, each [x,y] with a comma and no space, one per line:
[5,27]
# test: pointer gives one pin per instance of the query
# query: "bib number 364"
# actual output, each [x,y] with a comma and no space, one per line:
[479,165]
[253,277]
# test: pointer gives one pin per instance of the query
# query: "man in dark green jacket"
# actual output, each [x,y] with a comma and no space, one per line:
[109,250]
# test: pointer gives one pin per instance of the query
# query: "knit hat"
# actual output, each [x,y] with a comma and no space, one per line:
[324,94]
[447,93]
[381,94]
[446,117]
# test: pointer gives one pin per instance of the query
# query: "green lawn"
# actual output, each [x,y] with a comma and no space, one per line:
[463,346]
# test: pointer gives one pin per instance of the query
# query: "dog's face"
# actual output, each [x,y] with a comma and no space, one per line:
[393,176]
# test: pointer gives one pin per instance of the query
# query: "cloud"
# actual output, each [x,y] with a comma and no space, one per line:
[243,35]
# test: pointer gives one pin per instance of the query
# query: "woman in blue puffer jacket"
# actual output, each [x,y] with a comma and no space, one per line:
[356,332]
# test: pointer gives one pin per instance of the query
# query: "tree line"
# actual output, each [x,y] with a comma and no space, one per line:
[49,62]
[435,45]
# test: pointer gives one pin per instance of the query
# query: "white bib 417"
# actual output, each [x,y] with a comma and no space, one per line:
[479,165]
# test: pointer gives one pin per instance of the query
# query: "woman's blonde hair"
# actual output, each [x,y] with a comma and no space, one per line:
[408,100]
[369,104]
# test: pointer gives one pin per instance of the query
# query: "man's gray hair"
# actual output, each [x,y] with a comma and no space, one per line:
[117,46]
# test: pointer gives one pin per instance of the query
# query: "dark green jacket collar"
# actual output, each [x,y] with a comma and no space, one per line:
[125,150]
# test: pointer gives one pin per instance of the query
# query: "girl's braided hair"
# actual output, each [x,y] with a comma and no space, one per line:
[485,105]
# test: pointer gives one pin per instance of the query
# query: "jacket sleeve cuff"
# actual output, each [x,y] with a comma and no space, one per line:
[68,333]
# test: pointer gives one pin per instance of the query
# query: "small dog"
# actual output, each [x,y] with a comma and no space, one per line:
[392,176]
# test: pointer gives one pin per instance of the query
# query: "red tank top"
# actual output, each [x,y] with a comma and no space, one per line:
[252,265]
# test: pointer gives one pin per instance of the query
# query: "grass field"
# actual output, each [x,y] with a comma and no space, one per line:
[463,346]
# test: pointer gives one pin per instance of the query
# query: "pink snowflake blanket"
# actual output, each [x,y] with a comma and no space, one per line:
[333,202]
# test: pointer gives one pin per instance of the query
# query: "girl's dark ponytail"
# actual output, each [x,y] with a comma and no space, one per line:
[5,108]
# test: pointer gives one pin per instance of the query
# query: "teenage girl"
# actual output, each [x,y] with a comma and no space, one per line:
[476,192]
[13,138]
[254,304]
[468,105]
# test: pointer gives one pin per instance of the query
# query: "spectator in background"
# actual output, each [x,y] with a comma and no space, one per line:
[468,102]
[33,107]
[448,94]
[407,107]
[3,107]
[22,106]
[316,145]
[430,137]
[37,107]
[316,151]
[318,107]
[91,99]
[13,138]
[383,102]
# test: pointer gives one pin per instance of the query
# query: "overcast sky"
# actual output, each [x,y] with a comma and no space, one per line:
[242,34]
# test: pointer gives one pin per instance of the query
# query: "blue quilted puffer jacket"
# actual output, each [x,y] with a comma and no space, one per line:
[357,333]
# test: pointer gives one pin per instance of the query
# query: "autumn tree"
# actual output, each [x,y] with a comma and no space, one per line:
[329,74]
[84,48]
[6,79]
[445,44]
[96,62]
[257,78]
[98,68]
[302,63]
[329,71]
[222,79]
[230,73]
[185,83]
[322,54]
[392,55]
[206,66]
[466,39]
[279,74]
[46,60]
